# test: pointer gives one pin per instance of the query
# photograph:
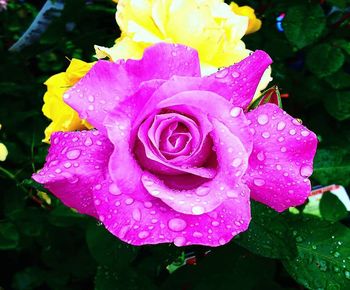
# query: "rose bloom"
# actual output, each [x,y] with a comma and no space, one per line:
[3,150]
[176,157]
[63,117]
[212,28]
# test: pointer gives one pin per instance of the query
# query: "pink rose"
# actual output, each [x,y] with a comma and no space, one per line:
[175,157]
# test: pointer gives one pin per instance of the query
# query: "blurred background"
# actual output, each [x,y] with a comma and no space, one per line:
[44,245]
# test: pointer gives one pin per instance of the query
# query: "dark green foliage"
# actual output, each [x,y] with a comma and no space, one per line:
[45,245]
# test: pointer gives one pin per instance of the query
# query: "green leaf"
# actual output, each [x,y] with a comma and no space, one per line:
[127,279]
[29,278]
[331,208]
[338,105]
[331,60]
[63,216]
[339,81]
[266,234]
[304,24]
[9,236]
[323,258]
[331,166]
[107,249]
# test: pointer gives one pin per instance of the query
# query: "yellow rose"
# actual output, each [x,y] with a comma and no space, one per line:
[3,151]
[63,117]
[209,26]
[254,23]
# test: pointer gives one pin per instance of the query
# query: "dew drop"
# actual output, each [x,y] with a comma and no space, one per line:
[266,135]
[66,96]
[261,156]
[179,241]
[197,210]
[88,141]
[67,165]
[232,193]
[305,133]
[202,191]
[263,119]
[91,107]
[235,112]
[91,99]
[237,162]
[283,149]
[177,224]
[222,241]
[73,154]
[292,132]
[281,125]
[129,201]
[136,214]
[259,182]
[306,170]
[215,223]
[235,74]
[197,234]
[148,204]
[143,234]
[113,189]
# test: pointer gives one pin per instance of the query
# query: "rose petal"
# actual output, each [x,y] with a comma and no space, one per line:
[75,162]
[150,221]
[238,82]
[151,158]
[107,83]
[281,161]
[232,162]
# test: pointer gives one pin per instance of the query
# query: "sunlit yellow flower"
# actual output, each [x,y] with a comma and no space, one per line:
[210,26]
[3,151]
[63,117]
[254,23]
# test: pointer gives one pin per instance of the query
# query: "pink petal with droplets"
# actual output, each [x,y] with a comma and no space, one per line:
[282,157]
[150,221]
[239,82]
[107,84]
[76,161]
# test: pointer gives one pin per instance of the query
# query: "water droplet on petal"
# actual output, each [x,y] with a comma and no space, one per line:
[197,234]
[292,132]
[129,201]
[222,241]
[283,149]
[91,107]
[232,193]
[306,170]
[278,167]
[91,99]
[266,135]
[113,189]
[235,111]
[136,214]
[143,234]
[88,141]
[73,154]
[203,190]
[148,204]
[179,241]
[67,165]
[197,210]
[177,224]
[215,223]
[263,119]
[305,133]
[261,156]
[259,182]
[237,162]
[66,96]
[235,74]
[281,125]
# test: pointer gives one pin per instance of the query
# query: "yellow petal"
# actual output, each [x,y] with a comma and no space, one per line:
[63,117]
[3,152]
[254,23]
